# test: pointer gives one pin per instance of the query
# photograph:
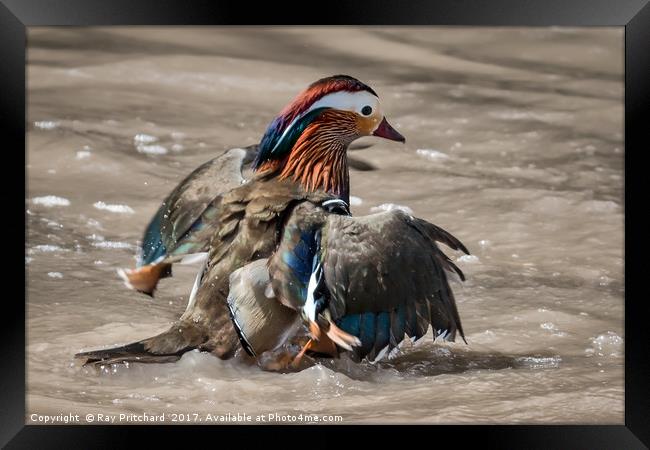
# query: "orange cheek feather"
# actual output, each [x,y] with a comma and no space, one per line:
[367,125]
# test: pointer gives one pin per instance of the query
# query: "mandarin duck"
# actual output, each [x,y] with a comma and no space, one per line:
[302,158]
[359,284]
[171,235]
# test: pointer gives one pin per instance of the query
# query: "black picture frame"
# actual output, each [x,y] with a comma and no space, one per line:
[634,15]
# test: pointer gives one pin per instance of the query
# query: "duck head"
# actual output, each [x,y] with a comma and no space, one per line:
[308,141]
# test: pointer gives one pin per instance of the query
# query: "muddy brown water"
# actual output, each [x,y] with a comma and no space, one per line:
[514,144]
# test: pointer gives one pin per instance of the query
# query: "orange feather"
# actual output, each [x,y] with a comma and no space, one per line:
[318,160]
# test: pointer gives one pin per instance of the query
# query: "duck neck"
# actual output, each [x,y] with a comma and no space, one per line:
[318,160]
[318,168]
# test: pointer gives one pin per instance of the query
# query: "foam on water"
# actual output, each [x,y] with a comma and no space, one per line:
[46,124]
[50,201]
[468,259]
[52,223]
[46,248]
[94,223]
[431,154]
[548,326]
[142,138]
[113,245]
[607,344]
[152,149]
[120,209]
[533,362]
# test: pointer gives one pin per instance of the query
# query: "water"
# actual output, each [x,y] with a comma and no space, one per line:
[514,144]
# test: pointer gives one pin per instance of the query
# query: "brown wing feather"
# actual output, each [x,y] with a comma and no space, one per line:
[376,263]
[192,195]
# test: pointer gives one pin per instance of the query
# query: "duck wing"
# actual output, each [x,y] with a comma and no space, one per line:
[381,277]
[180,228]
[189,199]
[387,277]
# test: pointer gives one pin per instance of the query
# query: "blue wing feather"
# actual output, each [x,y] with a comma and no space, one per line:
[375,330]
[382,335]
[351,324]
[367,332]
[152,242]
[398,324]
[299,260]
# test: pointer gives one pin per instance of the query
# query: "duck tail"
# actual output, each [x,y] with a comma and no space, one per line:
[135,352]
[168,346]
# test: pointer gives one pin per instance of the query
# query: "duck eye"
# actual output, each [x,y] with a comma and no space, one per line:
[366,110]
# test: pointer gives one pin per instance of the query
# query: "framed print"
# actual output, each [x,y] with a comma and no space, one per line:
[379,215]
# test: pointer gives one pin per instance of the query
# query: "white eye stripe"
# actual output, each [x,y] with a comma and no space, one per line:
[342,100]
[348,101]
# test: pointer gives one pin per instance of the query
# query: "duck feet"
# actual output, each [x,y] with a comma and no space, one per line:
[283,361]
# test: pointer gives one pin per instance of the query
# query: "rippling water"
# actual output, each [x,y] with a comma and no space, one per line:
[514,144]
